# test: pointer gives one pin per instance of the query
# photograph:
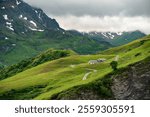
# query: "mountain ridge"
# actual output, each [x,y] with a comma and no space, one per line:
[27,31]
[115,38]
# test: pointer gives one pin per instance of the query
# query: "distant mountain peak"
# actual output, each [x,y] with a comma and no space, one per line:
[110,35]
[17,16]
[105,35]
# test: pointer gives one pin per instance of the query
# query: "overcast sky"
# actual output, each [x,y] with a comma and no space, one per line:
[98,15]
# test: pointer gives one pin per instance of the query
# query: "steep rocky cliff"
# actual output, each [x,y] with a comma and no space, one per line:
[133,82]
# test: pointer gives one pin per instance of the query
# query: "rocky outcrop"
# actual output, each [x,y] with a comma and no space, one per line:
[133,83]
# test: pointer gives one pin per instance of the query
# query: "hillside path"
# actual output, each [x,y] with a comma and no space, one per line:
[117,58]
[87,74]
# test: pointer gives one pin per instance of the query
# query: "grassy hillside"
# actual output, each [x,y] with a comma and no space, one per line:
[128,83]
[48,79]
[48,55]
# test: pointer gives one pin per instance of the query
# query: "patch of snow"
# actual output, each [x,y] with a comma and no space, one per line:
[40,30]
[32,22]
[5,17]
[7,23]
[13,44]
[112,36]
[109,33]
[104,34]
[13,7]
[34,29]
[63,33]
[22,32]
[6,38]
[40,16]
[20,16]
[2,7]
[18,2]
[9,26]
[25,18]
[119,33]
[36,11]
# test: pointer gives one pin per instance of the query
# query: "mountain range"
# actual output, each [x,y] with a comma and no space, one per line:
[27,31]
[114,38]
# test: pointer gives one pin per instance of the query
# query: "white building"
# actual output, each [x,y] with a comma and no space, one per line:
[97,61]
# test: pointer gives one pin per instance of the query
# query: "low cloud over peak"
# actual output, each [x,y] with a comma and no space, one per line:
[107,23]
[101,14]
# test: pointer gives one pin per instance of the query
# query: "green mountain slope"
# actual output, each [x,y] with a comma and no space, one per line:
[127,37]
[31,45]
[48,55]
[129,83]
[48,79]
[115,38]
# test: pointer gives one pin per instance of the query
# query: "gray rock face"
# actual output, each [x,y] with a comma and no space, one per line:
[83,95]
[133,83]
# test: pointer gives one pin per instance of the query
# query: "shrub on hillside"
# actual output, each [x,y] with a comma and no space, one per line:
[138,54]
[114,65]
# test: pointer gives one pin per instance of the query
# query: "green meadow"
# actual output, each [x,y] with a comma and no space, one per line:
[45,80]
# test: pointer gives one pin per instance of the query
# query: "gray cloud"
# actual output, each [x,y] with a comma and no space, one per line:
[98,15]
[107,23]
[94,7]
